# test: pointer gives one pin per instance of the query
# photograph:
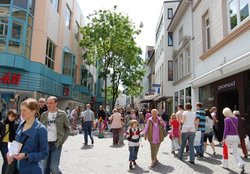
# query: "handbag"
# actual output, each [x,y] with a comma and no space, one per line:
[164,132]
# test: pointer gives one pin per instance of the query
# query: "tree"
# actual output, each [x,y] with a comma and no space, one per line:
[109,39]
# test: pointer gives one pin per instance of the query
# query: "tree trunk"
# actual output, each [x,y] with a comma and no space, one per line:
[132,102]
[105,93]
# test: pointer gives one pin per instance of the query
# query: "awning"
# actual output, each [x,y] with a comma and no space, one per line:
[234,66]
[148,98]
[160,98]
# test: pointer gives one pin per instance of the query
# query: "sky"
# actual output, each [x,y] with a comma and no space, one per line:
[145,11]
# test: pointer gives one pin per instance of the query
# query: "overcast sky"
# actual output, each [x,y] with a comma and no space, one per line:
[145,11]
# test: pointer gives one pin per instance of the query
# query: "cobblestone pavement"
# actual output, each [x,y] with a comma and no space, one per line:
[103,158]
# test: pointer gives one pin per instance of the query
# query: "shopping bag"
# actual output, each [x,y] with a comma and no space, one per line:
[247,143]
[225,151]
[197,139]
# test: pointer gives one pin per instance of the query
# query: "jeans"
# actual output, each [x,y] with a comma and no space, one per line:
[87,131]
[233,141]
[187,136]
[51,163]
[133,151]
[200,149]
[4,150]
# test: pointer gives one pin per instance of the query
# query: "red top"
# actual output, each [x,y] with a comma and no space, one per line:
[175,131]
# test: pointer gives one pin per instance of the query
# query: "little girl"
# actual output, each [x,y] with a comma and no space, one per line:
[133,135]
[175,132]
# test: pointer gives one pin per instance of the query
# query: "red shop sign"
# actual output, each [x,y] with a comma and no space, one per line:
[10,79]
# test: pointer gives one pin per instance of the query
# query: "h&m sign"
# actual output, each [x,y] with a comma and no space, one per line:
[10,79]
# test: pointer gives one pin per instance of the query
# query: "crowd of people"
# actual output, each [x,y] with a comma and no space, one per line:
[42,129]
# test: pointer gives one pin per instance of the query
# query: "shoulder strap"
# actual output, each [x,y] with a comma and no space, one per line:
[24,142]
[1,139]
[234,126]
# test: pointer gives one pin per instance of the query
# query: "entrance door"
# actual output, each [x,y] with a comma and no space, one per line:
[227,99]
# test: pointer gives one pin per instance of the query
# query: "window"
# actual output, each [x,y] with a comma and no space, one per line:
[68,17]
[207,31]
[176,69]
[3,28]
[69,65]
[176,99]
[188,60]
[32,6]
[50,54]
[181,66]
[170,13]
[18,13]
[170,70]
[21,3]
[238,11]
[5,2]
[170,39]
[77,29]
[17,31]
[182,97]
[180,34]
[55,4]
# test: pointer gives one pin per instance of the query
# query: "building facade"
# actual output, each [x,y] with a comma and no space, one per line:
[222,55]
[40,53]
[163,57]
[180,38]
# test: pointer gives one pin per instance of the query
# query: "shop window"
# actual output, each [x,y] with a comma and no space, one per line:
[182,97]
[77,31]
[3,28]
[21,3]
[176,99]
[50,54]
[170,39]
[238,11]
[68,16]
[188,95]
[206,96]
[18,13]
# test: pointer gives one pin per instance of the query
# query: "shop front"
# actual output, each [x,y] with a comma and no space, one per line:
[229,92]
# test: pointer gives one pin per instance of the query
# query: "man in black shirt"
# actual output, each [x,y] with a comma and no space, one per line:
[42,105]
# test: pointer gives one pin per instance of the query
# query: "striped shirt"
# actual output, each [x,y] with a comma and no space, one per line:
[133,135]
[201,115]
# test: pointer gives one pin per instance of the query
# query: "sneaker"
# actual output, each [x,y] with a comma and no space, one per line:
[191,162]
[173,152]
[242,169]
[223,166]
[245,156]
[214,153]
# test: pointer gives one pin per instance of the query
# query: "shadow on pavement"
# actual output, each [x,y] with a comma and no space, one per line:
[210,160]
[87,147]
[137,170]
[117,146]
[199,168]
[162,168]
[217,156]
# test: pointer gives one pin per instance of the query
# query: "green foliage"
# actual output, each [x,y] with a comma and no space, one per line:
[109,39]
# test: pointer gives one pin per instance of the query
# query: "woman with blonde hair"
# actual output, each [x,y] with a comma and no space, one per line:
[116,125]
[231,138]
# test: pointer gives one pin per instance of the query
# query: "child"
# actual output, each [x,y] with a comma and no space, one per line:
[175,132]
[133,135]
[101,127]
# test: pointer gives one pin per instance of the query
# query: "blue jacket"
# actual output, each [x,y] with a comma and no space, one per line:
[36,146]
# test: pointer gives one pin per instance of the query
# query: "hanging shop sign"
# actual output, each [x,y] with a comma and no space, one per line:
[10,79]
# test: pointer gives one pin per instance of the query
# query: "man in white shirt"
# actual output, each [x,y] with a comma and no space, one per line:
[58,128]
[88,117]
